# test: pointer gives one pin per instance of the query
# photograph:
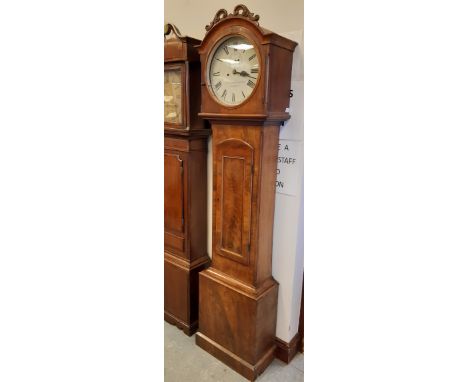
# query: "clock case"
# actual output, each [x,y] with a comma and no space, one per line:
[185,198]
[238,295]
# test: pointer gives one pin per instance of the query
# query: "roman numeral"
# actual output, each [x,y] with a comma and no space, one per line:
[251,84]
[243,94]
[254,70]
[226,49]
[224,94]
[252,57]
[216,74]
[233,97]
[218,85]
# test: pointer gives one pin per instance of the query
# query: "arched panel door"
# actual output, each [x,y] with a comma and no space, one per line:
[234,171]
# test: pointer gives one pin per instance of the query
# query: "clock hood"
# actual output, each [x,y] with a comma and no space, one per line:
[269,100]
[246,19]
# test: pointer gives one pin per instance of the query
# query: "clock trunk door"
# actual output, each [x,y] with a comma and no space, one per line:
[234,171]
[174,199]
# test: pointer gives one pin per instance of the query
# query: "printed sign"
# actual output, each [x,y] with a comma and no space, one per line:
[287,171]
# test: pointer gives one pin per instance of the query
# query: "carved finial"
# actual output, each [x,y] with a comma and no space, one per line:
[242,10]
[239,10]
[168,27]
[221,14]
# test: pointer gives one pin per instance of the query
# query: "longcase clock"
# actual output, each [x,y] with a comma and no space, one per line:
[246,75]
[185,199]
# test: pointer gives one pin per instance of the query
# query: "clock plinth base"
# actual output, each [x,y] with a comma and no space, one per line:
[187,329]
[181,291]
[251,372]
[237,323]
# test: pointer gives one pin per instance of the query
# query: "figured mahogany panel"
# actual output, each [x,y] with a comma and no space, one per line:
[173,192]
[234,159]
[233,170]
[237,328]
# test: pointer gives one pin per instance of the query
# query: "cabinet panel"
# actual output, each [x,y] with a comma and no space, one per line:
[174,186]
[234,166]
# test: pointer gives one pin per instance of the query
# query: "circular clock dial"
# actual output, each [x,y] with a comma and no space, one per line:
[233,70]
[173,96]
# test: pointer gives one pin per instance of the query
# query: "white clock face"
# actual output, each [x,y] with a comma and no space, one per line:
[233,70]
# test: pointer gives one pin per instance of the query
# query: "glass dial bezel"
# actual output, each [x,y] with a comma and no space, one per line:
[210,60]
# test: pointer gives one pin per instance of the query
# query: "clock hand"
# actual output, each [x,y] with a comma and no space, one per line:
[243,73]
[228,60]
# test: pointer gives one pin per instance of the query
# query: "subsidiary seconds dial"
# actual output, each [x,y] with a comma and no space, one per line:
[233,70]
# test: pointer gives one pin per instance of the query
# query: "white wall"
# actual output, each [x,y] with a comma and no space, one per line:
[284,17]
[191,16]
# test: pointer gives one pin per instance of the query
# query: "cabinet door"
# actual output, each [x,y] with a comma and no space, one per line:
[233,198]
[174,192]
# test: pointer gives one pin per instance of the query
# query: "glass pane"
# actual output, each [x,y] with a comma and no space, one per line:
[173,96]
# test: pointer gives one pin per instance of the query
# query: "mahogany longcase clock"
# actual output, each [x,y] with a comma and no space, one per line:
[246,76]
[185,199]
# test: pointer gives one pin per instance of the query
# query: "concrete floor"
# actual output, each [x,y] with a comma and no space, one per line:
[186,362]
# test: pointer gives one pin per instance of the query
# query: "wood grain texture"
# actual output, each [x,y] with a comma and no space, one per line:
[181,291]
[234,164]
[238,328]
[174,185]
[185,204]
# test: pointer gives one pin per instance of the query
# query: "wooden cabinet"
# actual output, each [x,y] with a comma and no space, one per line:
[246,75]
[185,199]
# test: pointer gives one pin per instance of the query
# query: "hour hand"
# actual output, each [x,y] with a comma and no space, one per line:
[243,73]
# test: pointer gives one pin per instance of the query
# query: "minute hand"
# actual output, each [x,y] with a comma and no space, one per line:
[243,74]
